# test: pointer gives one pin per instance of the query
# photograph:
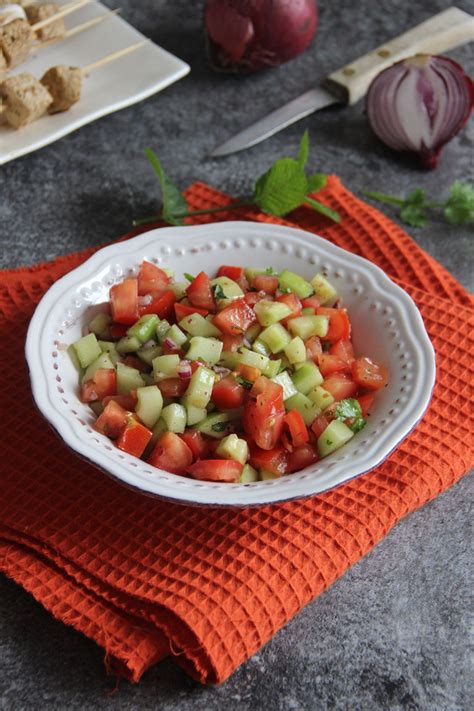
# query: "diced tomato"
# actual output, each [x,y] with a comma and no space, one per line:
[252,297]
[173,387]
[297,428]
[274,460]
[235,318]
[249,372]
[329,364]
[102,384]
[124,301]
[369,374]
[343,349]
[264,413]
[292,301]
[311,303]
[228,394]
[112,421]
[200,292]
[197,443]
[340,386]
[231,343]
[135,362]
[302,457]
[151,279]
[128,402]
[266,283]
[118,330]
[243,283]
[181,310]
[339,324]
[313,349]
[366,402]
[216,470]
[161,305]
[171,453]
[319,424]
[234,273]
[134,438]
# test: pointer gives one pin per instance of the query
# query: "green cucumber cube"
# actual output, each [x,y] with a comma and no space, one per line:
[162,329]
[150,405]
[333,437]
[251,273]
[307,326]
[128,379]
[179,289]
[144,328]
[275,337]
[272,369]
[197,325]
[286,383]
[252,332]
[158,430]
[128,344]
[295,351]
[305,407]
[216,425]
[321,397]
[200,387]
[225,290]
[87,349]
[100,324]
[325,291]
[176,335]
[71,351]
[307,377]
[206,349]
[165,366]
[249,475]
[269,312]
[295,283]
[256,360]
[194,414]
[307,311]
[259,347]
[229,359]
[110,348]
[103,361]
[231,447]
[174,416]
[149,354]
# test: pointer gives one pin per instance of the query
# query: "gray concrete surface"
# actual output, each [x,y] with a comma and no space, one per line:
[393,633]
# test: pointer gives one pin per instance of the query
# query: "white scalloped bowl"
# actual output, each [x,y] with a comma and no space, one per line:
[386,326]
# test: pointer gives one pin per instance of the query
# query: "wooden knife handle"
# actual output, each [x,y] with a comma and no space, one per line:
[442,32]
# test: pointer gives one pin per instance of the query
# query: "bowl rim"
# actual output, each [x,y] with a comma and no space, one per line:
[212,493]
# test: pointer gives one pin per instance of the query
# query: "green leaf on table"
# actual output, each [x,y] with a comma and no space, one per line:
[282,188]
[413,210]
[303,151]
[459,207]
[317,182]
[323,209]
[173,201]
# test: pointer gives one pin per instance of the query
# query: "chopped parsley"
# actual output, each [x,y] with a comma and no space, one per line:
[218,292]
[219,426]
[351,410]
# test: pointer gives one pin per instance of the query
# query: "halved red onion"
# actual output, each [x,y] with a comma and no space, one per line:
[419,104]
[184,370]
[169,343]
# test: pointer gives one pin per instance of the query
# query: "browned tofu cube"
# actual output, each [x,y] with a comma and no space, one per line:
[25,99]
[36,12]
[64,85]
[16,39]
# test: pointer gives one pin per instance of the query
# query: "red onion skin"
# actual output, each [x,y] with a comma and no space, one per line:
[249,35]
[388,124]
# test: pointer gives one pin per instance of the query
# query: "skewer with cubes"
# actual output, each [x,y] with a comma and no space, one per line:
[26,98]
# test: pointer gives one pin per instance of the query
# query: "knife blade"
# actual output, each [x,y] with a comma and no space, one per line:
[446,30]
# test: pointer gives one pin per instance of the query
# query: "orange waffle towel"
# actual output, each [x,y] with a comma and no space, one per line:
[146,579]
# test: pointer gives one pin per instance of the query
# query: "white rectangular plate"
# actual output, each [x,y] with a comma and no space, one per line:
[119,84]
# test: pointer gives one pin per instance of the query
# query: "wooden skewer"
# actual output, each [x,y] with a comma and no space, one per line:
[67,9]
[112,57]
[76,30]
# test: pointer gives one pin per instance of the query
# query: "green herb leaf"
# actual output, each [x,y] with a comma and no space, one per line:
[323,209]
[219,426]
[303,151]
[173,201]
[350,409]
[218,292]
[271,272]
[459,207]
[317,182]
[247,384]
[189,277]
[281,189]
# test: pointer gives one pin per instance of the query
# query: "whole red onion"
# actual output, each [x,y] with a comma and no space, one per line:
[419,104]
[248,35]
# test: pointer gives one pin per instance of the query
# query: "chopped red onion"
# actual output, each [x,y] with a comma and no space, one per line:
[247,343]
[169,343]
[184,370]
[220,370]
[149,344]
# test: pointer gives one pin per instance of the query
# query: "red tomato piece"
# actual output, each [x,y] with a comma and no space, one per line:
[112,421]
[302,457]
[235,318]
[173,387]
[200,292]
[227,394]
[135,362]
[313,349]
[329,364]
[234,273]
[248,372]
[171,453]
[319,424]
[340,386]
[231,343]
[292,301]
[343,349]
[118,330]
[151,279]
[252,297]
[339,324]
[311,303]
[182,310]
[124,302]
[369,374]
[161,305]
[297,428]
[273,460]
[366,402]
[197,443]
[216,470]
[102,384]
[264,413]
[128,402]
[134,438]
[266,283]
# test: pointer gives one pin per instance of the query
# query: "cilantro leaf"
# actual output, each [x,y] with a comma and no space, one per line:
[459,207]
[218,292]
[282,188]
[413,215]
[247,384]
[189,277]
[219,426]
[173,201]
[271,272]
[303,151]
[350,409]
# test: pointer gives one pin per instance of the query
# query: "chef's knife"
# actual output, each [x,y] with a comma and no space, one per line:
[448,29]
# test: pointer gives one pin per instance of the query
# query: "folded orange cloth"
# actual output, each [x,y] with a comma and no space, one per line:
[146,579]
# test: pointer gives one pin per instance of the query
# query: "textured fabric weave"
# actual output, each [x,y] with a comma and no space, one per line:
[146,579]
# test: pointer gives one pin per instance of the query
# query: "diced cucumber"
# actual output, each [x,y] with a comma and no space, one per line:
[284,363]
[266,475]
[259,347]
[321,397]
[71,351]
[103,361]
[168,271]
[269,312]
[197,325]
[162,329]
[206,349]
[158,430]
[252,333]
[165,366]
[100,324]
[307,311]
[295,351]
[128,344]
[225,291]
[334,436]
[195,414]
[87,349]
[228,359]
[215,425]
[176,335]
[272,369]
[325,291]
[305,407]
[286,383]
[149,354]
[256,360]
[307,326]
[128,379]
[200,387]
[231,447]
[144,328]
[150,404]
[174,416]
[275,337]
[179,289]
[251,273]
[109,348]
[307,377]
[295,283]
[249,475]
